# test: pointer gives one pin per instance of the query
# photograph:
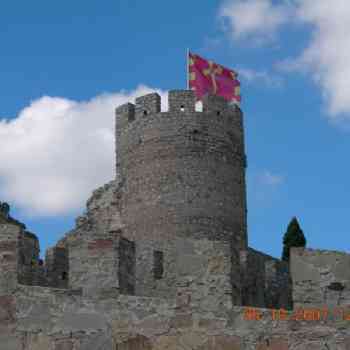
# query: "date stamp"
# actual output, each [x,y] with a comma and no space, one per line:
[299,314]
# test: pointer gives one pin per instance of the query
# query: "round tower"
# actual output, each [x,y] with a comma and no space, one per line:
[182,171]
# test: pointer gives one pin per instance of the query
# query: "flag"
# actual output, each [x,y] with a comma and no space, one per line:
[208,77]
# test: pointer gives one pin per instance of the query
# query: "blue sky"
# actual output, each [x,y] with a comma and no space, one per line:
[66,65]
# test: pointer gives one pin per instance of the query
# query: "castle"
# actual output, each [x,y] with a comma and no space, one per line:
[160,259]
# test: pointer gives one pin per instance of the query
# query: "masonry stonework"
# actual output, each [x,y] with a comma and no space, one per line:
[160,259]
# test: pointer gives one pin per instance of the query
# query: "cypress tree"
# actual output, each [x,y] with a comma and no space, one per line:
[294,237]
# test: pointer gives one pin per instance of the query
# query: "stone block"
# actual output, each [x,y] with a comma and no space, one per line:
[8,245]
[12,342]
[139,342]
[273,344]
[100,341]
[191,340]
[38,342]
[37,318]
[154,324]
[100,244]
[66,344]
[212,323]
[222,342]
[71,322]
[181,320]
[302,270]
[7,310]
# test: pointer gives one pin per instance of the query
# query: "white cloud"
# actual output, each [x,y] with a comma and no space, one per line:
[253,19]
[252,76]
[270,179]
[326,57]
[56,151]
[265,188]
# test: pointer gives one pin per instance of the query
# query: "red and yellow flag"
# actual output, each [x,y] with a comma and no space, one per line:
[207,77]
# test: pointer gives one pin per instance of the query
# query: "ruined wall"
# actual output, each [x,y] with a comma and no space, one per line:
[28,258]
[9,237]
[6,218]
[278,285]
[320,277]
[21,252]
[57,267]
[93,244]
[265,280]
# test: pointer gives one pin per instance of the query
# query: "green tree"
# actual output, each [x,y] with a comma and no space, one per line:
[294,237]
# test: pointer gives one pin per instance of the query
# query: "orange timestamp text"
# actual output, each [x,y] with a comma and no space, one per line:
[299,314]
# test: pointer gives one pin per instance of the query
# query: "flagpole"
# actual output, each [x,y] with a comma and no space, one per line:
[187,68]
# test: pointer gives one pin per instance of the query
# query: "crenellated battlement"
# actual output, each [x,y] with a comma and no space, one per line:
[179,101]
[147,104]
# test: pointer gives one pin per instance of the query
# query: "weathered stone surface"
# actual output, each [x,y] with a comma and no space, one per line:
[101,341]
[181,320]
[222,342]
[66,344]
[100,244]
[12,342]
[273,344]
[38,341]
[320,277]
[191,340]
[137,343]
[7,309]
[80,321]
[166,343]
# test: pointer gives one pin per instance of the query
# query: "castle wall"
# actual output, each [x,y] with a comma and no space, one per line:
[265,280]
[9,237]
[204,270]
[28,258]
[57,267]
[320,277]
[93,244]
[94,265]
[278,285]
[63,319]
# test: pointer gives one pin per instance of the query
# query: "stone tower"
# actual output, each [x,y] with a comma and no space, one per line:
[183,178]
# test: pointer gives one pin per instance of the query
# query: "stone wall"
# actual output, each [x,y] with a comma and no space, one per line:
[9,237]
[204,276]
[265,280]
[63,319]
[94,264]
[28,258]
[126,266]
[25,248]
[320,277]
[57,267]
[93,244]
[278,285]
